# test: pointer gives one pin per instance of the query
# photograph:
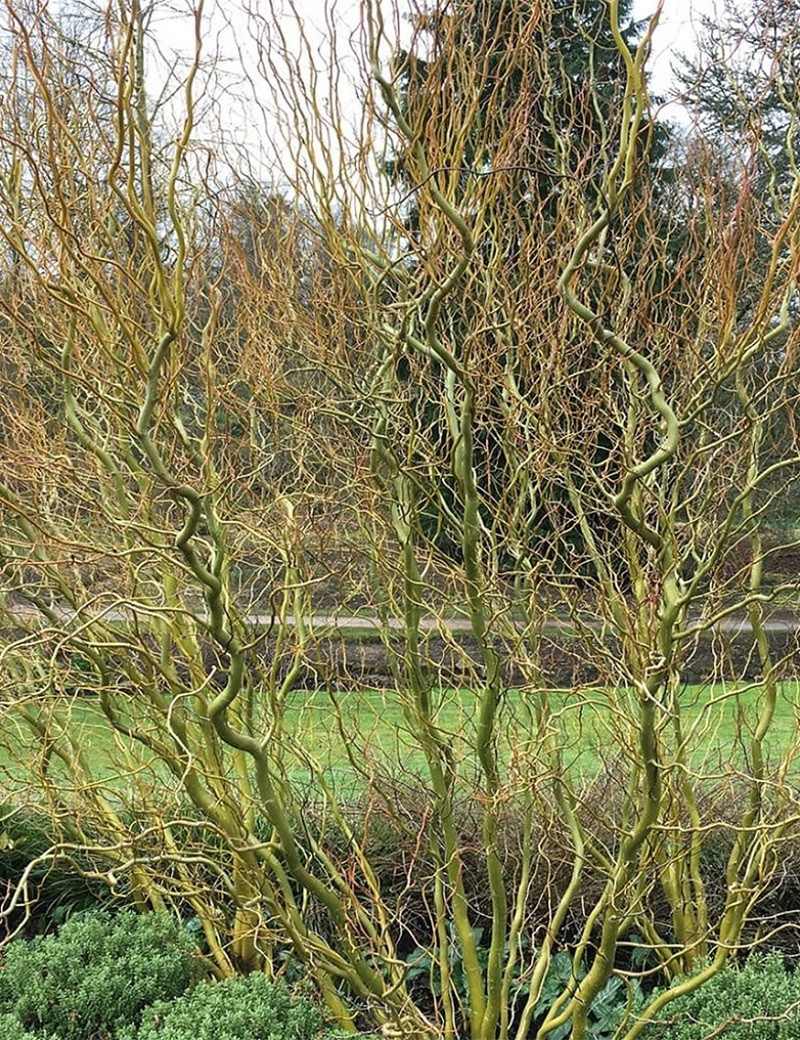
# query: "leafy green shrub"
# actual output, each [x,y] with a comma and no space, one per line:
[249,1006]
[98,973]
[760,1001]
[604,1012]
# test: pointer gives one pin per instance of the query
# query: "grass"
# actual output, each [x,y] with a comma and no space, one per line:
[592,728]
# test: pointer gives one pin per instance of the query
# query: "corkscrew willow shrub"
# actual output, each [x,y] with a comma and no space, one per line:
[459,348]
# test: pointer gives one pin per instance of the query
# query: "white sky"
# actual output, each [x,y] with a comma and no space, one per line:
[676,32]
[675,29]
[173,30]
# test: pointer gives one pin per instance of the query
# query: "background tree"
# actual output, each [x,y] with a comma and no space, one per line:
[551,125]
[741,89]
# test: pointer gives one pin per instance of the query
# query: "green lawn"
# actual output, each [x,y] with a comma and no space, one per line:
[591,727]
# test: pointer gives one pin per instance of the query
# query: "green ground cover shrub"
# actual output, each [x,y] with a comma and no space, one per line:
[11,1029]
[98,973]
[246,1006]
[759,1001]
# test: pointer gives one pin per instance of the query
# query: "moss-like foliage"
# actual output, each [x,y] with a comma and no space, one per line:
[10,1029]
[251,1007]
[759,1001]
[98,973]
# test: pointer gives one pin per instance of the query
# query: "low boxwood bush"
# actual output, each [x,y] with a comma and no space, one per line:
[98,973]
[759,1001]
[247,1006]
